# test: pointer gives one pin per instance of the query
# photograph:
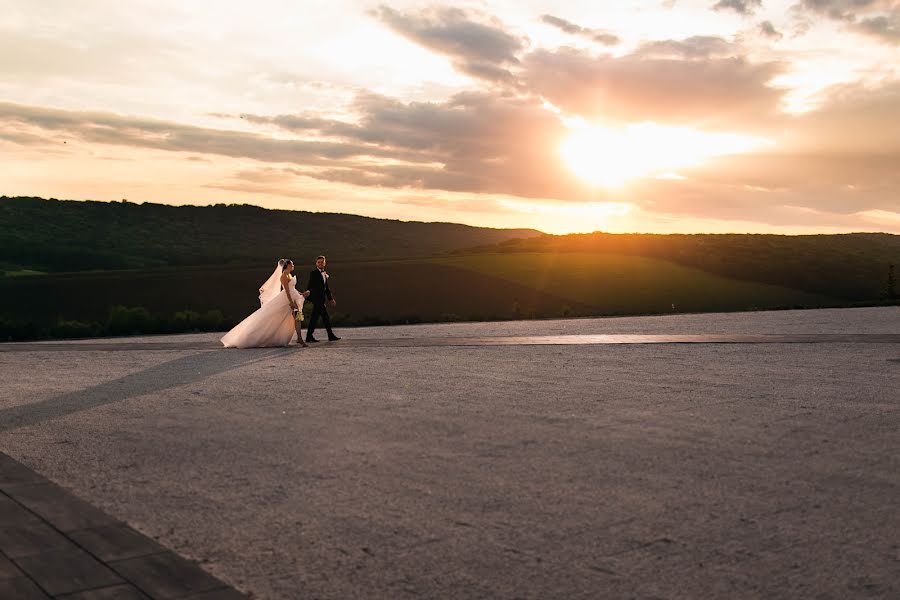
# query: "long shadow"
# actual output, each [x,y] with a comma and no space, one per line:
[181,371]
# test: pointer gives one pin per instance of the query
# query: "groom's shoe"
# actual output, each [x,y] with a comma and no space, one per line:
[311,340]
[333,338]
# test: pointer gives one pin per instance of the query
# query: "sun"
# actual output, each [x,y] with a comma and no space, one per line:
[609,157]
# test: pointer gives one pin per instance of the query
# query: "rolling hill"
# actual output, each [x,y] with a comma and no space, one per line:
[854,267]
[64,235]
[118,268]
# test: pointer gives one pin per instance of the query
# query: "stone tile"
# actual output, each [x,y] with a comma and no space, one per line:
[31,537]
[116,592]
[63,510]
[220,594]
[115,542]
[8,569]
[21,588]
[67,571]
[13,513]
[12,472]
[166,575]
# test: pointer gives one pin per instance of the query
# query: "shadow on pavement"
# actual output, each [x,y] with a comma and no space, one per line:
[181,371]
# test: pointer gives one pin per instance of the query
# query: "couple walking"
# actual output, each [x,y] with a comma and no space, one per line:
[280,315]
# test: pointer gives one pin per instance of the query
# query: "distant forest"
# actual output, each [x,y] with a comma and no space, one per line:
[82,269]
[67,235]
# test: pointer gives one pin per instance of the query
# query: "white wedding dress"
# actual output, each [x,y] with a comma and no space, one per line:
[273,323]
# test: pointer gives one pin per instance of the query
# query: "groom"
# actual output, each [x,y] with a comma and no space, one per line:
[318,292]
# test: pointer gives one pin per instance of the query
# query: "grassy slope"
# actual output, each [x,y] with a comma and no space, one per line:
[56,235]
[366,291]
[462,287]
[631,284]
[853,267]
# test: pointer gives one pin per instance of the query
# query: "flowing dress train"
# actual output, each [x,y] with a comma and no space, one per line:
[271,325]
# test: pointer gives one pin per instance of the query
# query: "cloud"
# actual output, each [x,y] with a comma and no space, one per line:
[44,55]
[852,118]
[778,189]
[682,81]
[109,128]
[481,50]
[474,142]
[597,35]
[24,138]
[766,29]
[842,9]
[884,27]
[877,19]
[744,7]
[658,83]
[701,46]
[840,159]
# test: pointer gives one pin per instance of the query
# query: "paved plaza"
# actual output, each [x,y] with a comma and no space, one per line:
[747,455]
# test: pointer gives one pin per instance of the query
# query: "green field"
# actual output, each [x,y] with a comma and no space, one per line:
[474,287]
[854,267]
[617,284]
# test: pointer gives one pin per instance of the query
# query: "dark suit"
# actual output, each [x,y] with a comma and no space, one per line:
[319,295]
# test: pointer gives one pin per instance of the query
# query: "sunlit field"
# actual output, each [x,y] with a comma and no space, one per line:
[630,284]
[472,287]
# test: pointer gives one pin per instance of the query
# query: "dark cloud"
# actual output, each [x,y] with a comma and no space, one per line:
[566,26]
[473,142]
[693,80]
[842,9]
[884,27]
[766,29]
[728,91]
[597,35]
[878,19]
[479,49]
[744,7]
[108,128]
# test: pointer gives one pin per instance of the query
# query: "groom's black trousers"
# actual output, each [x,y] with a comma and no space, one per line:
[320,309]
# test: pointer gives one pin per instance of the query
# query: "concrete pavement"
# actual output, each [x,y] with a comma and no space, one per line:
[755,468]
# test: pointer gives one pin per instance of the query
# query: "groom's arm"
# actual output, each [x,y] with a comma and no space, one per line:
[309,283]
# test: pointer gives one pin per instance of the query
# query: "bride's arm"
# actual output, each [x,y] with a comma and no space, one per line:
[286,286]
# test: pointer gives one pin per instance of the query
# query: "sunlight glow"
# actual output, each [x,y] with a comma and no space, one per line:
[581,217]
[882,217]
[611,157]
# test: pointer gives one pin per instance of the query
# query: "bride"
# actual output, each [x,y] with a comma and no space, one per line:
[279,316]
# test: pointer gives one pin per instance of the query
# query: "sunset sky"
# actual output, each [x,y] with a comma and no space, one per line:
[651,116]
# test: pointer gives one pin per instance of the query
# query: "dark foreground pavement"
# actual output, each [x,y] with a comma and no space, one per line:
[54,545]
[717,456]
